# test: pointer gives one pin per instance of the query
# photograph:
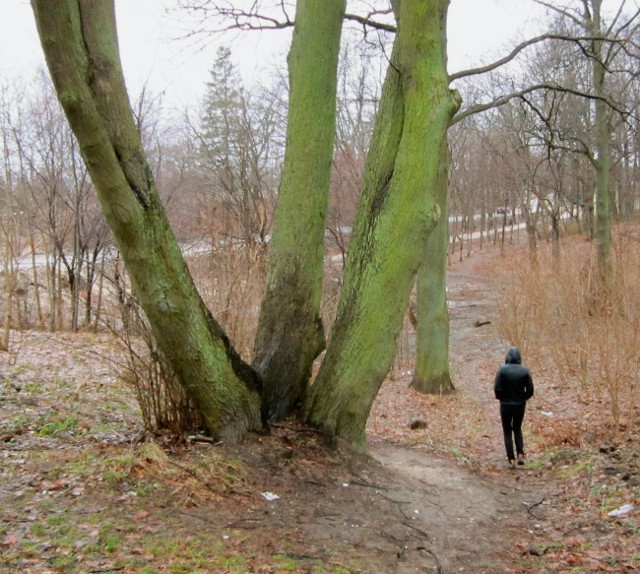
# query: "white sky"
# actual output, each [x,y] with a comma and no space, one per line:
[477,29]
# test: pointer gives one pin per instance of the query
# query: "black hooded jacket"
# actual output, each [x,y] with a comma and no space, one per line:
[513,384]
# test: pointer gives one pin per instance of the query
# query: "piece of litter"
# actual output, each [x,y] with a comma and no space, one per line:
[345,484]
[270,496]
[546,413]
[621,511]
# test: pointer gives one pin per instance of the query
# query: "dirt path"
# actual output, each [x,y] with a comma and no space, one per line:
[474,521]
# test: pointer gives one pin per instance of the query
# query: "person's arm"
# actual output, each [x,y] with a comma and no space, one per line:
[497,386]
[528,386]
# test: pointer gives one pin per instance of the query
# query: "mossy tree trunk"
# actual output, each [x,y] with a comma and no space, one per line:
[290,333]
[432,374]
[397,212]
[80,44]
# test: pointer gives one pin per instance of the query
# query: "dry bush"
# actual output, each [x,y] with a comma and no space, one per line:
[163,403]
[231,281]
[559,320]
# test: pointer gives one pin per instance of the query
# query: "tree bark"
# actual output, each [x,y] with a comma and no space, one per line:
[602,131]
[397,212]
[432,374]
[290,333]
[80,44]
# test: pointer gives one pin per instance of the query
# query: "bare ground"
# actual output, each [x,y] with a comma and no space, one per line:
[83,489]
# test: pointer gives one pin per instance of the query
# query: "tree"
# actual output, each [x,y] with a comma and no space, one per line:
[232,152]
[80,44]
[397,211]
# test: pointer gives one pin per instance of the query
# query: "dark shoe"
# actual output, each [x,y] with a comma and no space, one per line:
[521,458]
[512,463]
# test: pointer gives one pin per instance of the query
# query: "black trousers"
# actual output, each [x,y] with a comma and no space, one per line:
[511,416]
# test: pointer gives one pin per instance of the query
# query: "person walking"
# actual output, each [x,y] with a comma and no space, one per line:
[513,387]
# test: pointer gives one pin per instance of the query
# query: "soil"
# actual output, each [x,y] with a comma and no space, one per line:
[84,489]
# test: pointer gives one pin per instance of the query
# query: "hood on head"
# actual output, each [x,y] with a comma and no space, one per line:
[513,356]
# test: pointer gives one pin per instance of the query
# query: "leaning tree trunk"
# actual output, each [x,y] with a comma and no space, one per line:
[80,44]
[432,374]
[397,212]
[290,333]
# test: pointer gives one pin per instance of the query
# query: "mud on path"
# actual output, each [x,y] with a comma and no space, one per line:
[83,489]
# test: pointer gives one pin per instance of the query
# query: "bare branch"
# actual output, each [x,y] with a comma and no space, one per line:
[368,21]
[562,11]
[505,99]
[535,40]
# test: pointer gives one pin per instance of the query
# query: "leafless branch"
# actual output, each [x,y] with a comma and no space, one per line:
[562,11]
[578,40]
[502,100]
[368,21]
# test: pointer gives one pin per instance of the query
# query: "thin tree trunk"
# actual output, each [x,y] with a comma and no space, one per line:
[36,284]
[602,136]
[98,312]
[432,374]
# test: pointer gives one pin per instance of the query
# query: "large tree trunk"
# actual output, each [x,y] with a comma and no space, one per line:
[396,214]
[290,332]
[80,44]
[432,374]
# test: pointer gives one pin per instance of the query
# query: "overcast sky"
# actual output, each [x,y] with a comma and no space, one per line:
[150,53]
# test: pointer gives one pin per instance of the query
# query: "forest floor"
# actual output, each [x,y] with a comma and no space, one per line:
[83,489]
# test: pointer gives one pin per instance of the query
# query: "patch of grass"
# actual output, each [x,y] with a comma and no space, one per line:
[109,537]
[19,370]
[63,563]
[30,548]
[32,387]
[17,424]
[148,570]
[179,568]
[83,463]
[235,565]
[57,426]
[61,384]
[118,468]
[143,489]
[285,562]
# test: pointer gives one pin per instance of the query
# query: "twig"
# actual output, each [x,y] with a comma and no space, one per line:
[530,507]
[434,556]
[114,569]
[418,530]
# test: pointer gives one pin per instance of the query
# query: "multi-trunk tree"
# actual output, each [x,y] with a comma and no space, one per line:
[397,211]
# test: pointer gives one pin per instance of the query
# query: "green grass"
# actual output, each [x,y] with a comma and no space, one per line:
[57,426]
[109,538]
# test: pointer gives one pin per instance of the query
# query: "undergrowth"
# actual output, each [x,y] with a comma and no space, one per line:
[561,319]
